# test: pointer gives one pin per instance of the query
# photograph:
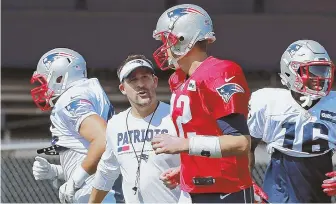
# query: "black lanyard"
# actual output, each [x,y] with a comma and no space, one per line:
[135,188]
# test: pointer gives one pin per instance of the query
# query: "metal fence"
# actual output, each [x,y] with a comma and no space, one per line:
[19,186]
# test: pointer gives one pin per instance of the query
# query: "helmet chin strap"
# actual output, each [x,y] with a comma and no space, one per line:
[52,101]
[173,61]
[307,101]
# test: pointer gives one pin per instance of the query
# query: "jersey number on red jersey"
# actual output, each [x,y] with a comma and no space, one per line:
[185,117]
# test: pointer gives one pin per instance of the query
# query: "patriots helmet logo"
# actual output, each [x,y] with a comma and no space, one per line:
[292,49]
[227,90]
[48,60]
[182,11]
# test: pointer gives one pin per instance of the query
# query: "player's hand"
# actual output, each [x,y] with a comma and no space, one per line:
[67,191]
[259,195]
[329,185]
[164,143]
[171,177]
[42,169]
[69,188]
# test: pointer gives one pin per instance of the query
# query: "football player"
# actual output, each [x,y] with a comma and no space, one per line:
[298,125]
[209,106]
[79,111]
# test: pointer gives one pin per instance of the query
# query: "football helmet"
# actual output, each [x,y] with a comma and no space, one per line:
[306,68]
[55,72]
[179,28]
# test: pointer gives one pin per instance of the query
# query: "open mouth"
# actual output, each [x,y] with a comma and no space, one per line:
[142,93]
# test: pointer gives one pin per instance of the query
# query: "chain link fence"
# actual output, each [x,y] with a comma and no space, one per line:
[19,186]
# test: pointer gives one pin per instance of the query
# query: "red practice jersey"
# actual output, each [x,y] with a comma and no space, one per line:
[216,89]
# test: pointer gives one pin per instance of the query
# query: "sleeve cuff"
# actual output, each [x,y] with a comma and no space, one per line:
[101,183]
[82,118]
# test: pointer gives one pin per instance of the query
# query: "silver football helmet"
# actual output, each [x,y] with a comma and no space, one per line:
[179,28]
[56,71]
[306,68]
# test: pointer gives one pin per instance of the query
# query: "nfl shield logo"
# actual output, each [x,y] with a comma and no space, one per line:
[192,85]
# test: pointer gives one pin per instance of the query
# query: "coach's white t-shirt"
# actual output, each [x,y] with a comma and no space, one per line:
[120,156]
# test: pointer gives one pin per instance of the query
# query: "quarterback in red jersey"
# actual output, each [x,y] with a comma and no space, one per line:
[209,106]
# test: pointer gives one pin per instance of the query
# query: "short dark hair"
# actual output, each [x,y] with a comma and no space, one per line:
[130,58]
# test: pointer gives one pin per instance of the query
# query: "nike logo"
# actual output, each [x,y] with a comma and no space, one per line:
[229,79]
[222,196]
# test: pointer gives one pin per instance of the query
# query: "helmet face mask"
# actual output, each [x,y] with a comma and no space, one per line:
[306,68]
[56,71]
[316,77]
[163,53]
[41,94]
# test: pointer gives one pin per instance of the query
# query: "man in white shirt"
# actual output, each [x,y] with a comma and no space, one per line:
[79,111]
[129,135]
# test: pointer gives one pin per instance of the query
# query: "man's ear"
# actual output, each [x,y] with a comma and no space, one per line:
[156,81]
[122,88]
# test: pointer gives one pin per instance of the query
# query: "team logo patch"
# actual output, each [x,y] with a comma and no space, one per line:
[48,60]
[74,105]
[293,49]
[192,85]
[182,11]
[227,90]
[328,116]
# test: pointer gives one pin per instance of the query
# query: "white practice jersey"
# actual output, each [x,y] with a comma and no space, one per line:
[85,98]
[277,119]
[120,156]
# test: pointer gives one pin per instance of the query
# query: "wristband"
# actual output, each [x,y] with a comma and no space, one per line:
[207,146]
[79,176]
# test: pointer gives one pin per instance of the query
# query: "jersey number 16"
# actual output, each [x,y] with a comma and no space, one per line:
[310,130]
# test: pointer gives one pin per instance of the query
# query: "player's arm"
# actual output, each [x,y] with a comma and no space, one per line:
[227,103]
[93,129]
[86,121]
[256,122]
[225,97]
[236,139]
[108,171]
[82,117]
